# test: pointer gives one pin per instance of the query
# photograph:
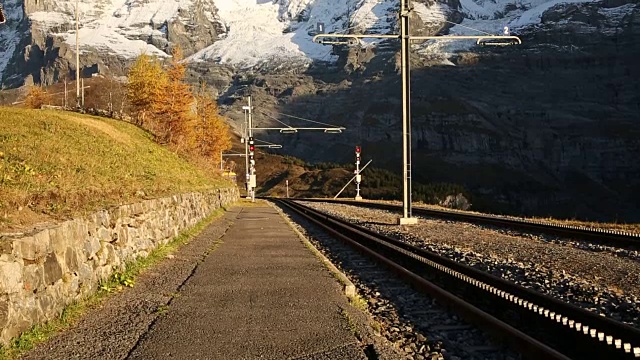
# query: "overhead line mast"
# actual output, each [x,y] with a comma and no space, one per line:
[405,38]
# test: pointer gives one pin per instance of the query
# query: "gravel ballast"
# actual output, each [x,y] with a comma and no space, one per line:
[602,279]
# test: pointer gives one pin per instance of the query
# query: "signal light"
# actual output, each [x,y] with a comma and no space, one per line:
[252,147]
[358,149]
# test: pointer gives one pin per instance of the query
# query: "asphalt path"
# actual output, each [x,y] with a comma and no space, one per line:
[245,288]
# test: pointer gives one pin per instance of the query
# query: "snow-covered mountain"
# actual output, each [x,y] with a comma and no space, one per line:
[533,127]
[240,33]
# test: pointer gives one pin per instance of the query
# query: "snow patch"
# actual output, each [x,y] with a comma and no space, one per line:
[534,15]
[115,26]
[273,33]
[260,31]
[9,34]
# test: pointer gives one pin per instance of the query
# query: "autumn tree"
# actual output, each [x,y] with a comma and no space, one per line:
[211,131]
[36,97]
[145,79]
[172,106]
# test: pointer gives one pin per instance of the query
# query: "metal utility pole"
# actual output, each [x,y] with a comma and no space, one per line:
[287,184]
[252,164]
[251,177]
[251,174]
[405,11]
[246,152]
[357,173]
[405,54]
[77,55]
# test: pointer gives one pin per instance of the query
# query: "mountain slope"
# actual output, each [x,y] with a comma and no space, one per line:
[244,33]
[546,127]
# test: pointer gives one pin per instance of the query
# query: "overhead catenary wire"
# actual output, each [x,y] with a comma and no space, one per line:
[303,119]
[295,117]
[273,118]
[468,27]
[264,142]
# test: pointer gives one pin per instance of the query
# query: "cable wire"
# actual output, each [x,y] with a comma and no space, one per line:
[303,119]
[273,118]
[468,27]
[264,142]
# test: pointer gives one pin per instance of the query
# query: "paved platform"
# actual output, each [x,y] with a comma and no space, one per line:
[260,295]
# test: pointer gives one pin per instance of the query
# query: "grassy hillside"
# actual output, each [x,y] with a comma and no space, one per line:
[58,164]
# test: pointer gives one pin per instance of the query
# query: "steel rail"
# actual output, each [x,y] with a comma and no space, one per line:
[604,236]
[598,336]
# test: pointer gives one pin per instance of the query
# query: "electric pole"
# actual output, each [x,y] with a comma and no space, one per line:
[405,11]
[77,56]
[251,174]
[405,53]
[246,152]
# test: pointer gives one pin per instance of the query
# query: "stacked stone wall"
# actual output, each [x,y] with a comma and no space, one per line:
[43,271]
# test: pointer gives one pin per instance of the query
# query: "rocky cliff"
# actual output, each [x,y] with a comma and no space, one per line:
[38,41]
[545,128]
[548,127]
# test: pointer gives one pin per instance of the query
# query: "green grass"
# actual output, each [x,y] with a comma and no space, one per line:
[353,327]
[359,303]
[116,282]
[57,164]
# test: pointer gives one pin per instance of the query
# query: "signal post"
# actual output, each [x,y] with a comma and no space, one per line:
[357,171]
[250,145]
[251,177]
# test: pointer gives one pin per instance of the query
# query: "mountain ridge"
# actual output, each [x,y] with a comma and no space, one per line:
[543,128]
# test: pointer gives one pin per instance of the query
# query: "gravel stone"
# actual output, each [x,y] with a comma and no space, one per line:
[410,322]
[599,278]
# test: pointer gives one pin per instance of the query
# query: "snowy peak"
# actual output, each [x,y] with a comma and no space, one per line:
[262,34]
[123,27]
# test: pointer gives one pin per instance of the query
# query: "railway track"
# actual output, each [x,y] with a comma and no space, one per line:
[604,236]
[538,326]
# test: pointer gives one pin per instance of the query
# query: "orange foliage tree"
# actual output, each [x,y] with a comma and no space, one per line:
[173,106]
[145,78]
[36,97]
[164,104]
[211,131]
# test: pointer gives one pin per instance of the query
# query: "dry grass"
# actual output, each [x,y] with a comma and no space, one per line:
[55,164]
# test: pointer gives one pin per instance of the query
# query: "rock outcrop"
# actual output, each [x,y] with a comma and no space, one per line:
[42,54]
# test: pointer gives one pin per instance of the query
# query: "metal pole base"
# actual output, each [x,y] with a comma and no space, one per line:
[407,221]
[358,197]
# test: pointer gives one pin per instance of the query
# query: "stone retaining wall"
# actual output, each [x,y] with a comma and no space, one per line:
[42,272]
